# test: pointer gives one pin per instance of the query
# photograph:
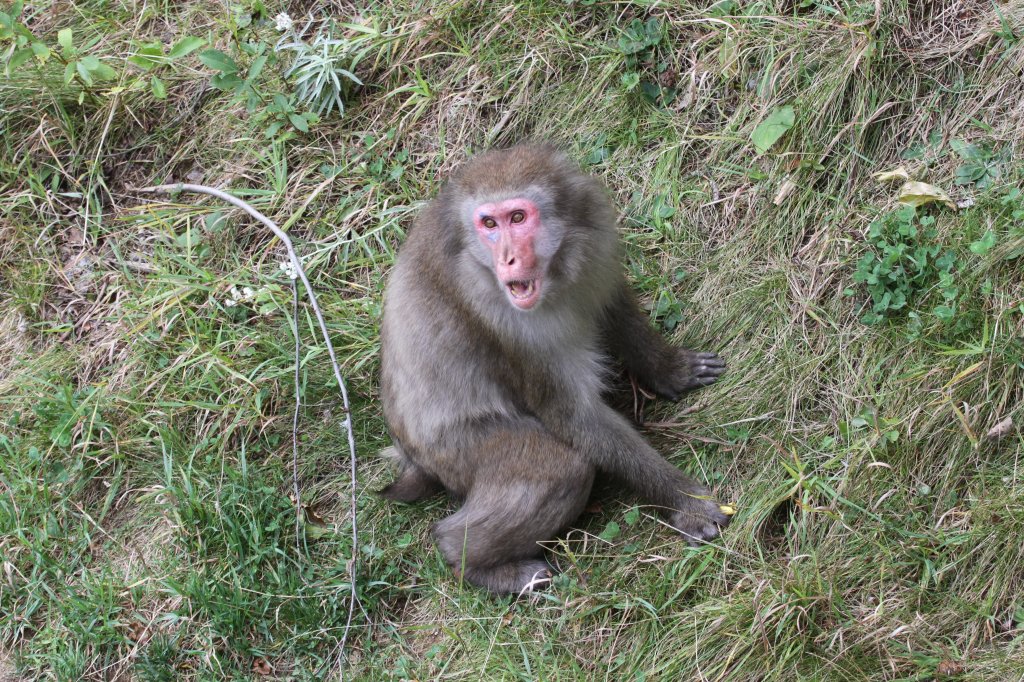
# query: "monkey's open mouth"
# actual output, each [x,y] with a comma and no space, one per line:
[524,293]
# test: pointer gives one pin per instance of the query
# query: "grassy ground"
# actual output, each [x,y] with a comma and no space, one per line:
[147,526]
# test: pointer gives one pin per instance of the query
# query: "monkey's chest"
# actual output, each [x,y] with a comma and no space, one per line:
[565,376]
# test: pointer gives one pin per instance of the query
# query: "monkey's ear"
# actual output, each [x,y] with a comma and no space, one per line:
[453,235]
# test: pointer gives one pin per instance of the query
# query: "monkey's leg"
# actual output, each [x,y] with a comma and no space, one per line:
[617,449]
[412,482]
[529,488]
[665,369]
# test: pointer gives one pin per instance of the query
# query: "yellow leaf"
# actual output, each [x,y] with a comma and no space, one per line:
[726,509]
[898,174]
[921,193]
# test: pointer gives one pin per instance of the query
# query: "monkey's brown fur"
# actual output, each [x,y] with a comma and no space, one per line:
[502,406]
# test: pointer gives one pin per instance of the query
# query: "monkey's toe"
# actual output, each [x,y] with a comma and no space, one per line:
[516,577]
[708,364]
[702,522]
[540,580]
[709,358]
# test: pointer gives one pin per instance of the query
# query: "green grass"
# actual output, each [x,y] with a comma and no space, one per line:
[147,526]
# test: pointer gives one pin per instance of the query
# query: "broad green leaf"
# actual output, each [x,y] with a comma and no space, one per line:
[41,51]
[985,244]
[630,45]
[18,58]
[610,532]
[144,63]
[653,30]
[158,88]
[218,61]
[64,38]
[650,91]
[630,80]
[185,46]
[967,151]
[97,69]
[722,8]
[772,128]
[299,122]
[6,26]
[83,73]
[227,81]
[969,173]
[147,55]
[255,68]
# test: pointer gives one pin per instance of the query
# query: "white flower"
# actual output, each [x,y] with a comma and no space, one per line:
[289,269]
[248,293]
[283,22]
[230,302]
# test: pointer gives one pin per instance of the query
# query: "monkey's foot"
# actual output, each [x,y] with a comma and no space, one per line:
[516,577]
[692,370]
[699,520]
[411,485]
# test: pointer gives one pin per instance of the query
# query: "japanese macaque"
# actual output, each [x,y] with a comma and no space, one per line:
[501,318]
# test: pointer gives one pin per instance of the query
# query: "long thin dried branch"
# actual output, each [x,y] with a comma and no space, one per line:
[297,265]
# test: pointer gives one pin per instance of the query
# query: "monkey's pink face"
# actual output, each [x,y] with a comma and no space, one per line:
[510,229]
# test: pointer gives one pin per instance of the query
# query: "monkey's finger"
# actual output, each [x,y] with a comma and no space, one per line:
[711,369]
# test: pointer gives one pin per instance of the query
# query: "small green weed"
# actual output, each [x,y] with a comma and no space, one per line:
[284,116]
[236,78]
[151,57]
[81,60]
[323,70]
[640,44]
[981,166]
[905,262]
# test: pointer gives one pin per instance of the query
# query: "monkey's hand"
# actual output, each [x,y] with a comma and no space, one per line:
[689,370]
[699,518]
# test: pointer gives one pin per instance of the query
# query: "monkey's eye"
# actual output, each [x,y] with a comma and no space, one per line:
[518,217]
[489,223]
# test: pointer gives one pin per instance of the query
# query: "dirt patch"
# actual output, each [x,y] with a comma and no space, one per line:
[7,671]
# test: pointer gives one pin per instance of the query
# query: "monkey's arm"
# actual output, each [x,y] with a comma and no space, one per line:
[613,446]
[667,370]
